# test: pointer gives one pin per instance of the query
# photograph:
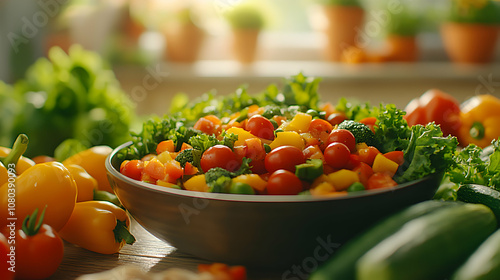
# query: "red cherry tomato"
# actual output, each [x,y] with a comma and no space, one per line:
[284,157]
[260,127]
[337,155]
[368,155]
[336,118]
[5,259]
[283,182]
[39,251]
[132,169]
[219,156]
[343,136]
[320,129]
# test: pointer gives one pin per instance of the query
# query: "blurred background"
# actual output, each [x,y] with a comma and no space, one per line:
[388,51]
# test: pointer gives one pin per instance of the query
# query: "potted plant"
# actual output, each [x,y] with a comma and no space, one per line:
[184,38]
[246,22]
[344,20]
[401,39]
[470,33]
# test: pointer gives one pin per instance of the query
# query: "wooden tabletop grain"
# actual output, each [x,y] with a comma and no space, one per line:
[147,253]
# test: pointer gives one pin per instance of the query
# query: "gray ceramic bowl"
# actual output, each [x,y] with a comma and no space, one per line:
[258,231]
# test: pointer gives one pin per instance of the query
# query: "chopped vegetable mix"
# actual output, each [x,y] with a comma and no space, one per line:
[284,142]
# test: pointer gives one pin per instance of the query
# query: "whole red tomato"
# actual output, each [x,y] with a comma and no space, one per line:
[283,182]
[39,249]
[284,157]
[435,106]
[5,263]
[219,156]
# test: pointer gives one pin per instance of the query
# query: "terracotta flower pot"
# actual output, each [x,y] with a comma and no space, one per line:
[344,24]
[469,43]
[184,42]
[402,48]
[244,44]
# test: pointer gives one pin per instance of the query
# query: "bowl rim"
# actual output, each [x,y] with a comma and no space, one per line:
[115,174]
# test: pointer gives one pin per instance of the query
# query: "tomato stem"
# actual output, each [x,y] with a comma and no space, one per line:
[18,149]
[30,226]
[477,131]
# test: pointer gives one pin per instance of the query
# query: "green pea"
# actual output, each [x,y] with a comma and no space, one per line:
[355,187]
[241,188]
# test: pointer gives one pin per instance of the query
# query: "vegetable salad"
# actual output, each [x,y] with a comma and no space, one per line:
[283,142]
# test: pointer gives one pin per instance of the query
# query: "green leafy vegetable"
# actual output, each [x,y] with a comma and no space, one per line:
[392,131]
[189,155]
[73,95]
[428,152]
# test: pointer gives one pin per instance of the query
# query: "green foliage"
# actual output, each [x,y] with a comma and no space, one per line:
[392,133]
[481,11]
[245,16]
[73,95]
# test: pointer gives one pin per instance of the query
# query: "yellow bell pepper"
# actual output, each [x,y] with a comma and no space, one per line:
[98,226]
[480,117]
[93,161]
[342,179]
[242,135]
[197,183]
[85,184]
[12,159]
[253,180]
[46,184]
[290,138]
[300,123]
[384,165]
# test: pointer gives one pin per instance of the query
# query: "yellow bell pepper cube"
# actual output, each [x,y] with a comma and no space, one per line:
[300,123]
[361,146]
[288,138]
[384,165]
[242,135]
[321,179]
[342,179]
[197,183]
[253,180]
[164,157]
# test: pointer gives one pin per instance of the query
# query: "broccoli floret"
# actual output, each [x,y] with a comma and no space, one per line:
[189,155]
[361,132]
[219,179]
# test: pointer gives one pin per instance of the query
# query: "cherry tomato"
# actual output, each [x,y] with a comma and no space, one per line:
[343,136]
[284,157]
[337,155]
[353,162]
[260,127]
[379,181]
[39,250]
[5,259]
[132,169]
[320,130]
[368,155]
[283,182]
[336,118]
[219,156]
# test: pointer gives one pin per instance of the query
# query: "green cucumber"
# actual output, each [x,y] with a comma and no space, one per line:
[484,263]
[343,263]
[429,247]
[473,193]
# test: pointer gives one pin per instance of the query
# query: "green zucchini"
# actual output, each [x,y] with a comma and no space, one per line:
[484,263]
[473,193]
[342,264]
[429,247]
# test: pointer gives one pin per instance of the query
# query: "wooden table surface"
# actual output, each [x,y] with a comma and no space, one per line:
[147,253]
